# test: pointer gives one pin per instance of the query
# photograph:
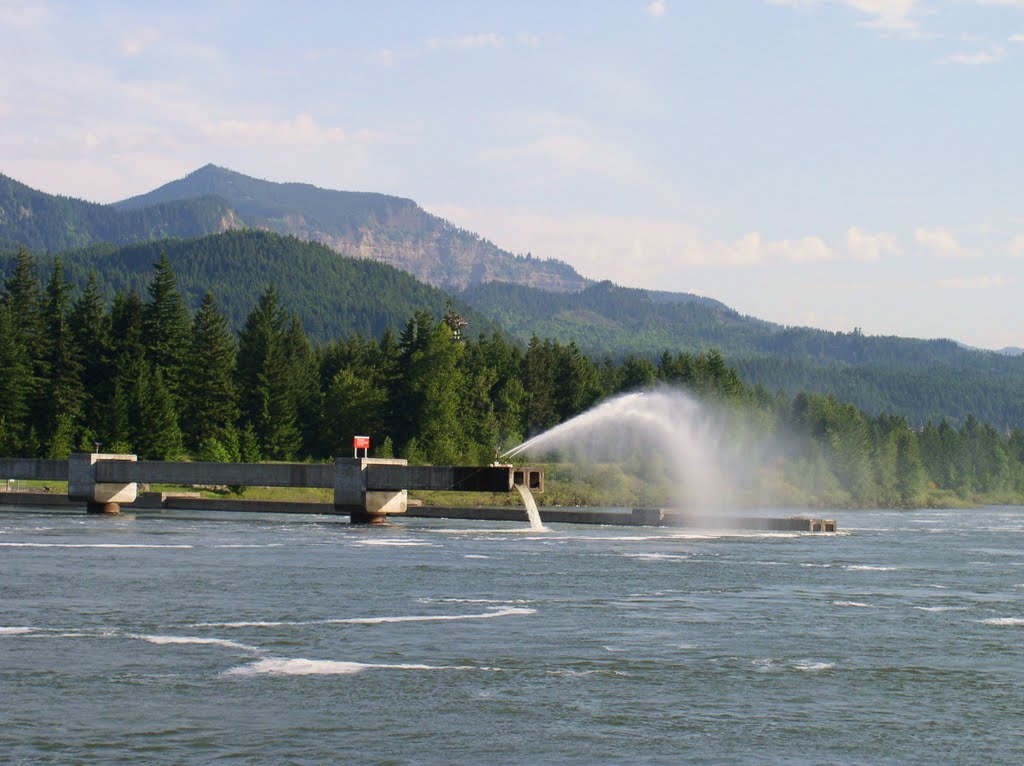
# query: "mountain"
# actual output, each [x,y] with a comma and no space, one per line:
[363,225]
[48,223]
[1011,351]
[921,379]
[333,297]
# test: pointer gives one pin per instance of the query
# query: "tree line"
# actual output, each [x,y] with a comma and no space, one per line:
[149,377]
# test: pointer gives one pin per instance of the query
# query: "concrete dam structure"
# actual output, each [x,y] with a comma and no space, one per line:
[368,490]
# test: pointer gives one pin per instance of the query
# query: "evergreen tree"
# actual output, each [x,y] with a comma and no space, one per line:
[15,386]
[90,328]
[210,402]
[166,327]
[267,401]
[59,411]
[23,299]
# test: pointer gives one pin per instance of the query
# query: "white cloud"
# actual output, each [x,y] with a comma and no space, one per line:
[980,282]
[893,15]
[657,8]
[138,40]
[639,251]
[1017,246]
[1017,38]
[989,56]
[528,40]
[24,15]
[302,130]
[941,242]
[804,250]
[466,42]
[863,246]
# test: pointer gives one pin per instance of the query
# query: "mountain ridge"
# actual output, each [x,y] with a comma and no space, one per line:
[391,229]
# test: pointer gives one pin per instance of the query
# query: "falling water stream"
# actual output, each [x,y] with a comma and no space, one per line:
[531,508]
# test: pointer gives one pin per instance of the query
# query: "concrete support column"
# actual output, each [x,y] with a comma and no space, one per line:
[365,505]
[99,498]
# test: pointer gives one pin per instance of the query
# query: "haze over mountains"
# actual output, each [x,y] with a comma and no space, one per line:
[334,295]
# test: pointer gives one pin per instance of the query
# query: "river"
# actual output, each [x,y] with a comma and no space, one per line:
[222,639]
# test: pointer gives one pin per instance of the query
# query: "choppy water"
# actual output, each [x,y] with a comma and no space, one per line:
[232,640]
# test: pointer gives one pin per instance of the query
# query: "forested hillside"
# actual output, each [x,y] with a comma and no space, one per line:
[48,223]
[146,375]
[920,379]
[331,295]
[390,229]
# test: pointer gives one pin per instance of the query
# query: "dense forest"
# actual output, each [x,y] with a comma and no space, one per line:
[922,379]
[145,375]
[332,296]
[49,223]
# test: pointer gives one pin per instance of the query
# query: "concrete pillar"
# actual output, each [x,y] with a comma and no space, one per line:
[99,498]
[365,506]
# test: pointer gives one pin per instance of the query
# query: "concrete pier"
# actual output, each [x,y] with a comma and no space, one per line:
[368,490]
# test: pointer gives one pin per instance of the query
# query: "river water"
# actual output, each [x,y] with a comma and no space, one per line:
[244,640]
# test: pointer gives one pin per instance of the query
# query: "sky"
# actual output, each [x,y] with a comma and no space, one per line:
[834,163]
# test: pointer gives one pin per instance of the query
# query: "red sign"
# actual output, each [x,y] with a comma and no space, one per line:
[361,442]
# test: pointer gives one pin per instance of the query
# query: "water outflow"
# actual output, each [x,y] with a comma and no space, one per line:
[664,435]
[531,508]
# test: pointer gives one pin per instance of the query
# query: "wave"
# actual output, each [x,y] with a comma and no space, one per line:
[282,666]
[858,604]
[808,666]
[396,543]
[941,608]
[201,640]
[508,612]
[89,545]
[16,630]
[1004,621]
[869,567]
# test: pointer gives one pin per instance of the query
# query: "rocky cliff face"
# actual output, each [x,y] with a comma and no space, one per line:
[378,227]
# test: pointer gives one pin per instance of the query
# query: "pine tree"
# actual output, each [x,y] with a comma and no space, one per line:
[59,411]
[210,403]
[266,398]
[25,368]
[90,328]
[15,386]
[166,327]
[304,384]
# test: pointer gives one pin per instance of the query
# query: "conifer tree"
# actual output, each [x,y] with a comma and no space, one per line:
[90,328]
[210,402]
[166,327]
[266,398]
[15,385]
[23,298]
[59,410]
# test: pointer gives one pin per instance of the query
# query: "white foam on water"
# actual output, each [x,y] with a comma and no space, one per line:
[507,612]
[656,556]
[238,545]
[941,608]
[16,630]
[396,543]
[818,566]
[88,545]
[869,568]
[475,556]
[813,667]
[283,666]
[200,640]
[857,604]
[454,600]
[1003,621]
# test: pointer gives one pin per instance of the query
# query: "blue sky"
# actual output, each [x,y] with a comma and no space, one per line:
[834,163]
